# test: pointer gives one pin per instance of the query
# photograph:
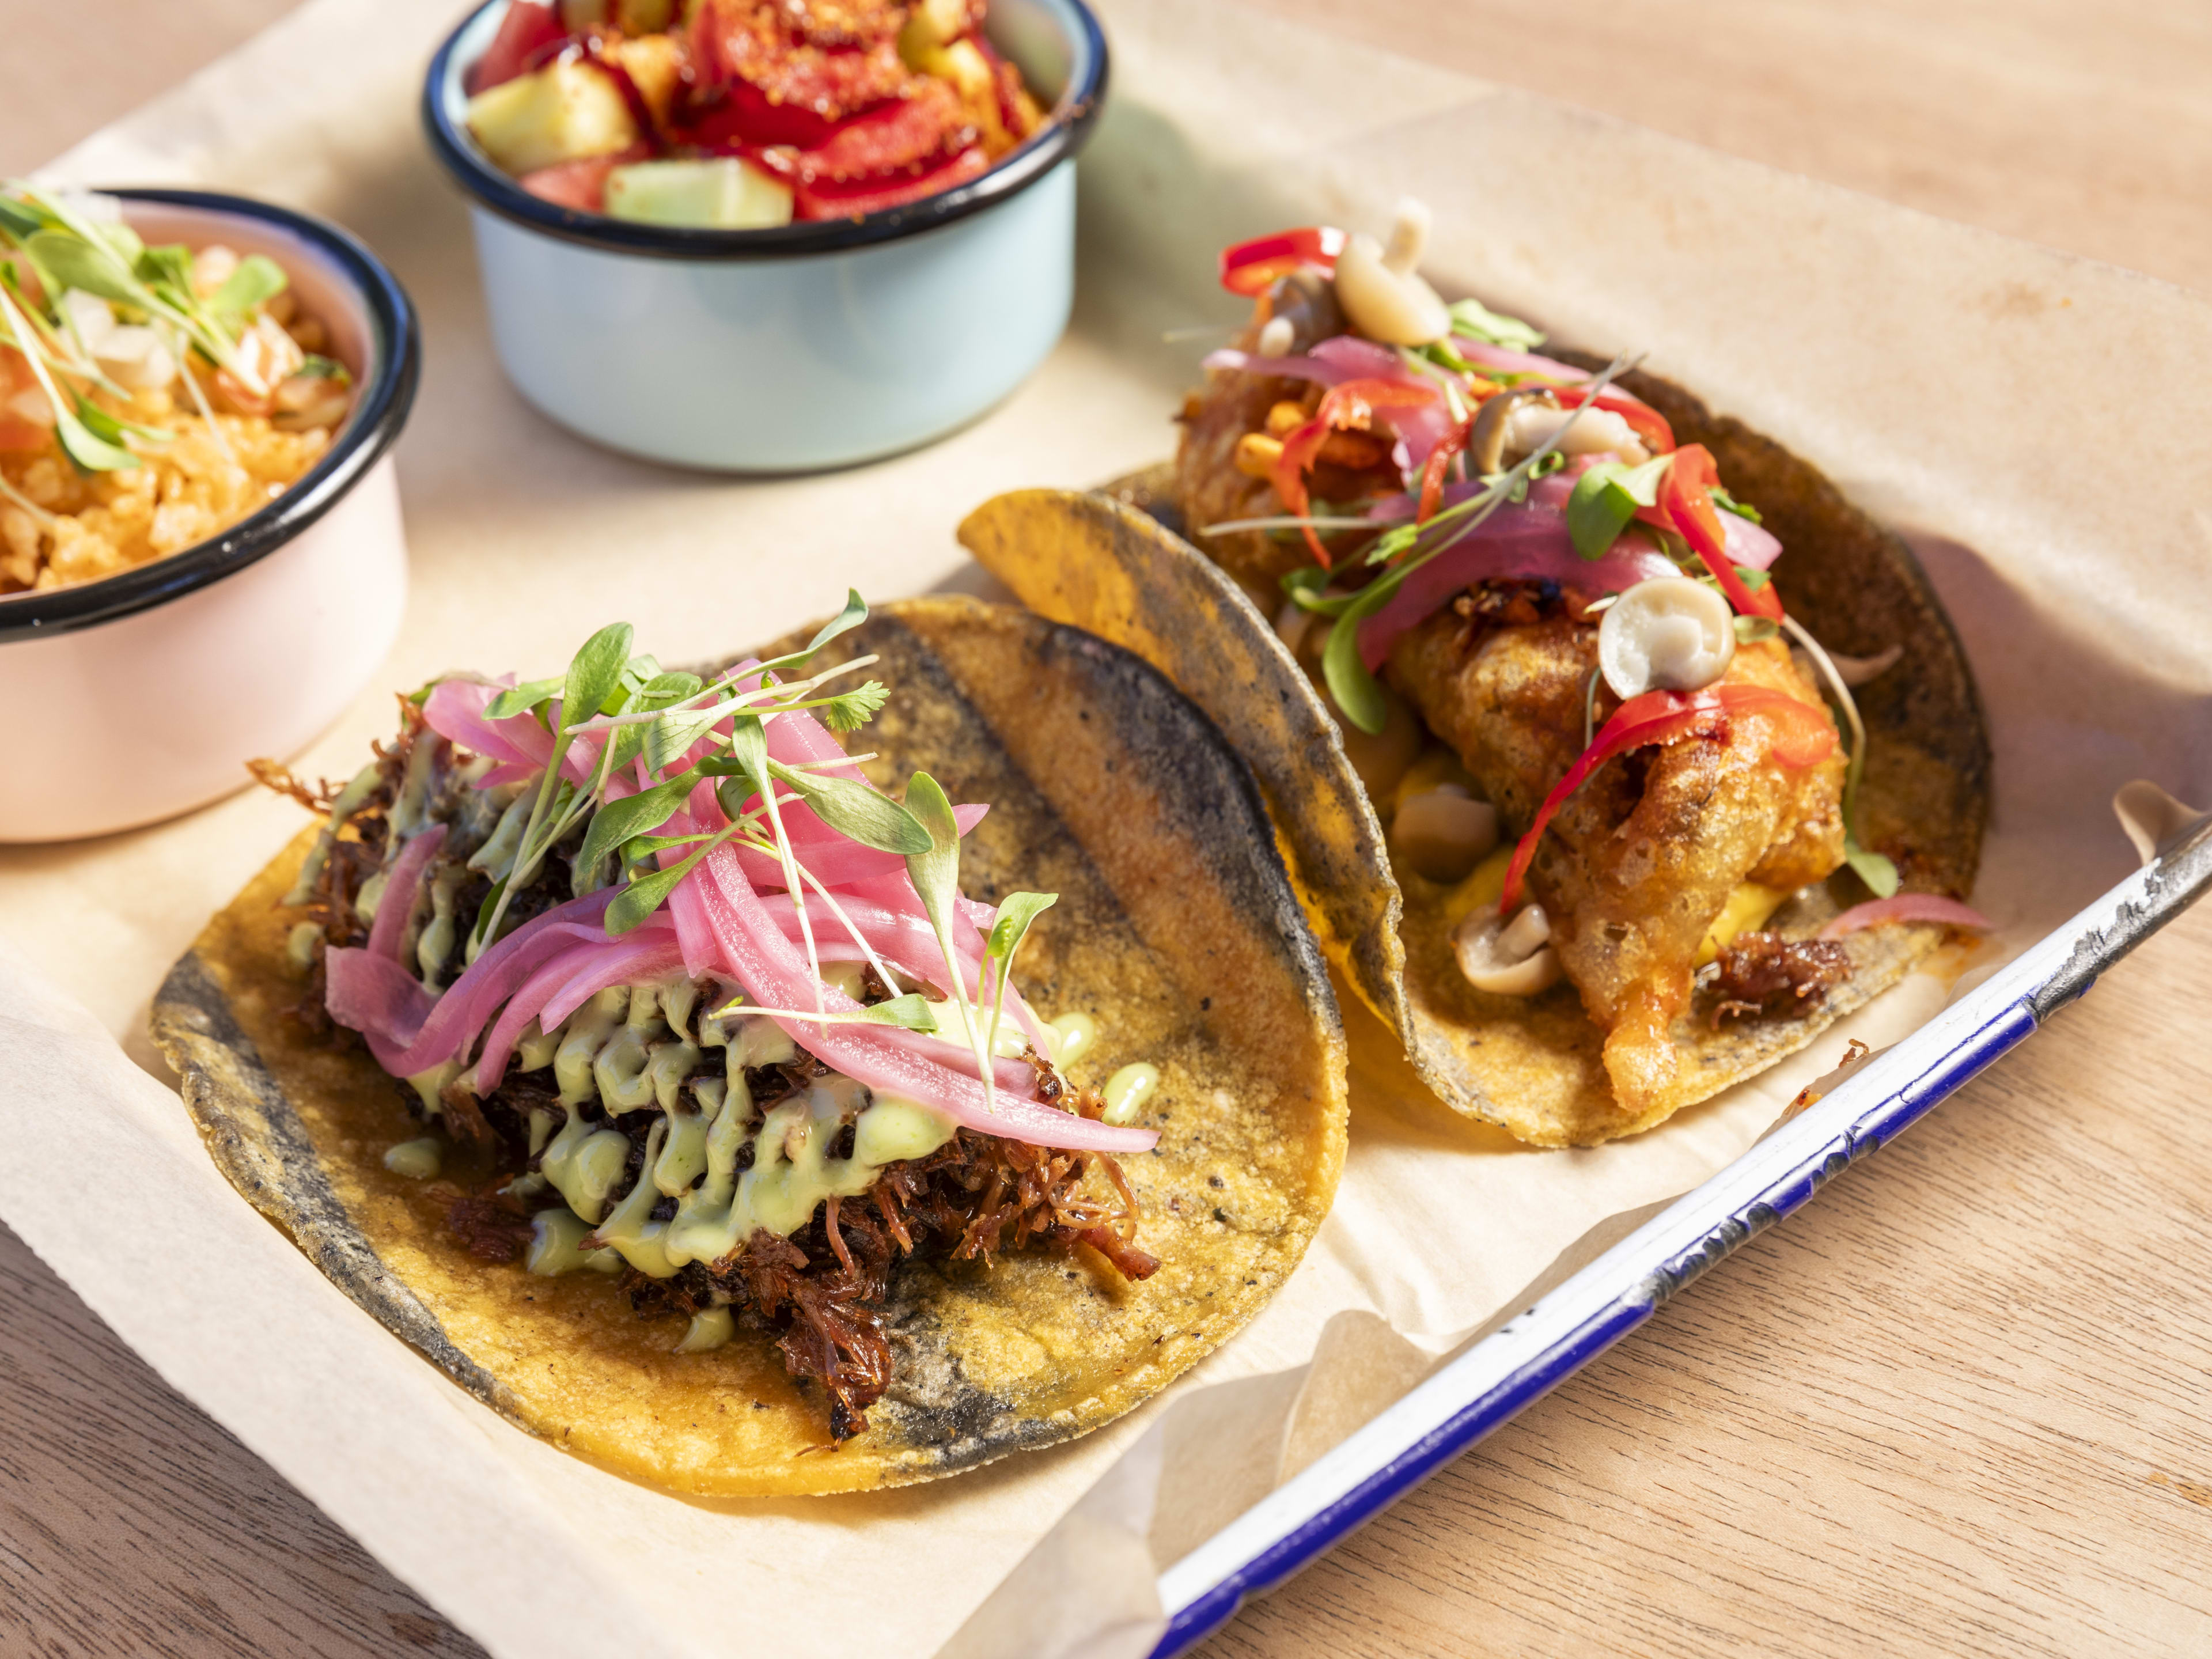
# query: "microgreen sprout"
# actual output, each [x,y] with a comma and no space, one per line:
[749,748]
[87,448]
[1473,320]
[936,875]
[909,1013]
[1879,873]
[108,261]
[1351,683]
[1015,912]
[652,725]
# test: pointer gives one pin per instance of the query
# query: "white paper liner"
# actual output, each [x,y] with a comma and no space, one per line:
[2043,411]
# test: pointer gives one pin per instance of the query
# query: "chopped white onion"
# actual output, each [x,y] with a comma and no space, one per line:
[92,316]
[136,357]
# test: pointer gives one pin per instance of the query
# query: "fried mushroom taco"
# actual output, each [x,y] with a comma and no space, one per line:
[741,1112]
[1605,786]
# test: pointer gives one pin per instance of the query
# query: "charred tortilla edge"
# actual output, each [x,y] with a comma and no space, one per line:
[217,1028]
[1117,561]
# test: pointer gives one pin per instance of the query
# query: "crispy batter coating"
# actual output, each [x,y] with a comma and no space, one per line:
[1639,862]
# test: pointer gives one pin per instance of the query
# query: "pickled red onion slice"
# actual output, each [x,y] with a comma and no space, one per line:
[1906,907]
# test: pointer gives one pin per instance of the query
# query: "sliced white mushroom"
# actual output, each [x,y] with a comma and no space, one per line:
[1381,292]
[1595,432]
[1444,832]
[1669,634]
[136,357]
[1507,959]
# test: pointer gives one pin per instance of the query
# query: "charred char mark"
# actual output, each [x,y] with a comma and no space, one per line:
[820,1294]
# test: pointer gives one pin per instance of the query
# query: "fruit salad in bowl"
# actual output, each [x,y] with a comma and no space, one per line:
[740,115]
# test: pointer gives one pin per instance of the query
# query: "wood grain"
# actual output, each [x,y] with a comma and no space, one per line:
[130,1522]
[1958,1406]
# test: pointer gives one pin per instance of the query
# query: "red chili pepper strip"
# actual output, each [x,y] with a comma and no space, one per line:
[1249,267]
[1432,473]
[1685,499]
[1350,405]
[1806,738]
[1648,422]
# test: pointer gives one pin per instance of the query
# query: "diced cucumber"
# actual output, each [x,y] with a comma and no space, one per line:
[723,193]
[565,112]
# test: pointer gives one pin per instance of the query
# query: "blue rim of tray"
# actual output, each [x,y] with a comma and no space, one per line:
[1532,1354]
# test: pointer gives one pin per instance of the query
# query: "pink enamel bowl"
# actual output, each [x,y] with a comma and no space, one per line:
[142,695]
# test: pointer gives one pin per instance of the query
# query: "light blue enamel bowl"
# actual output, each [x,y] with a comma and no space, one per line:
[808,346]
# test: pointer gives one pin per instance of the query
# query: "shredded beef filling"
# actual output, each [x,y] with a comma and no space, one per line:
[1763,974]
[819,1294]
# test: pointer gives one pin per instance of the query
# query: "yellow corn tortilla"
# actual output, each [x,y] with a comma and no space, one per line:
[1176,928]
[1113,562]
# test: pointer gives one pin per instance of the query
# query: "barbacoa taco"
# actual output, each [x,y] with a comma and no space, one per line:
[622,1043]
[1606,785]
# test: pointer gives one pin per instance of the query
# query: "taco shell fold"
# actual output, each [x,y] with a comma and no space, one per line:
[1116,561]
[1175,928]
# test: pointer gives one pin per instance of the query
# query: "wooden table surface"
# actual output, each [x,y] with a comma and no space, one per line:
[1961,1406]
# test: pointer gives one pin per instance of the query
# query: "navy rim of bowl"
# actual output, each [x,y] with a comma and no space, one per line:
[1067,131]
[379,413]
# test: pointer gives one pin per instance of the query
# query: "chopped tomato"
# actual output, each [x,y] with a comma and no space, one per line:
[825,200]
[18,429]
[890,138]
[527,30]
[1249,267]
[799,69]
[582,185]
[1804,736]
[1432,471]
[739,117]
[1350,406]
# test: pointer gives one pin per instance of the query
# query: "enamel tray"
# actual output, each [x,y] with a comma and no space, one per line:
[1525,1359]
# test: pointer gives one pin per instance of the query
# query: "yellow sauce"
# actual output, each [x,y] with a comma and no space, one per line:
[350,800]
[625,1048]
[1437,765]
[1485,884]
[1128,1090]
[299,944]
[556,1238]
[1072,1036]
[1746,912]
[709,1331]
[417,1159]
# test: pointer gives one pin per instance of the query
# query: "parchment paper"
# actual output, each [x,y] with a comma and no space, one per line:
[2039,420]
